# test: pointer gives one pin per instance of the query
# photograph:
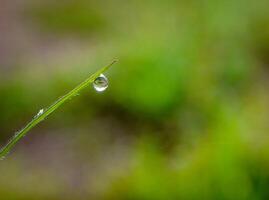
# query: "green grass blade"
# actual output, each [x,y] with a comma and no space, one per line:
[44,113]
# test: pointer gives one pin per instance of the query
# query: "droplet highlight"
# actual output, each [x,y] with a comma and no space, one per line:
[100,84]
[40,112]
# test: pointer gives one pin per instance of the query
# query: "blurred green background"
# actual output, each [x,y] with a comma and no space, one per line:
[186,114]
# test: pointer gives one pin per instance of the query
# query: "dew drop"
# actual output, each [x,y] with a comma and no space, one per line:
[100,84]
[40,112]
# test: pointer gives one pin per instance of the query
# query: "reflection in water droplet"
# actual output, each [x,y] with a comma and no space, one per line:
[100,84]
[40,112]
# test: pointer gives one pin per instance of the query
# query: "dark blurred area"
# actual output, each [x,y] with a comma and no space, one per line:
[185,116]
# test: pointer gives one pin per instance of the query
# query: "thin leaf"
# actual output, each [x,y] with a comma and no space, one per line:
[44,113]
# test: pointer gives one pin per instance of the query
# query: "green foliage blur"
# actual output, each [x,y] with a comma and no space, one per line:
[185,116]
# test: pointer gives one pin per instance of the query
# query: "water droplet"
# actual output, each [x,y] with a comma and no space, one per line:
[40,112]
[100,84]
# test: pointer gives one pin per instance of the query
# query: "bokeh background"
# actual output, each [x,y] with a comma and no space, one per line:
[186,114]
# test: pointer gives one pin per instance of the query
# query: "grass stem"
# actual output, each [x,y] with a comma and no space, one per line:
[43,113]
